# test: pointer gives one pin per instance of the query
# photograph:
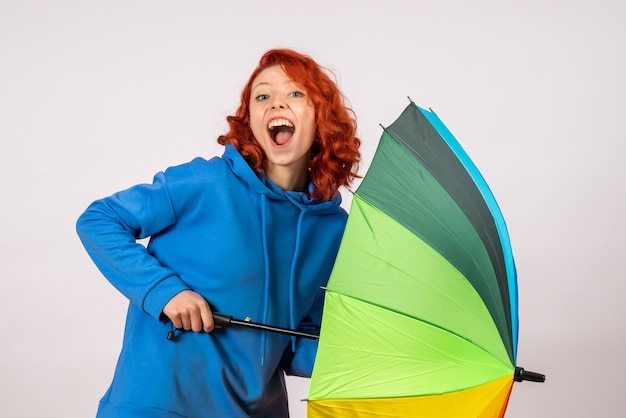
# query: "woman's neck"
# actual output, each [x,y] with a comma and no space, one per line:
[289,179]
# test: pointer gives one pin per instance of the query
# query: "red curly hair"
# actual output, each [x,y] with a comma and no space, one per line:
[335,152]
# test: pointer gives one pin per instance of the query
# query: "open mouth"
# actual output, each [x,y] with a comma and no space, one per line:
[280,130]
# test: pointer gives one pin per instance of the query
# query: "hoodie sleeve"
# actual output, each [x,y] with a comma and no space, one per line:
[109,229]
[303,359]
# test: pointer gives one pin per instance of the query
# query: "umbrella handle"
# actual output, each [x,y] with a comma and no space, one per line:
[222,320]
[521,375]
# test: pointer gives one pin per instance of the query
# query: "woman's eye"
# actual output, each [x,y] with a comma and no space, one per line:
[297,94]
[262,97]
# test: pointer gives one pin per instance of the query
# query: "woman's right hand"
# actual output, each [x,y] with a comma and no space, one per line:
[188,310]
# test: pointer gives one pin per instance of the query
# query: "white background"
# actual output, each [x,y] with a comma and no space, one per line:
[98,96]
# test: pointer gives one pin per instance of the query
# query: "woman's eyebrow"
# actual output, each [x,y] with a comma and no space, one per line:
[260,83]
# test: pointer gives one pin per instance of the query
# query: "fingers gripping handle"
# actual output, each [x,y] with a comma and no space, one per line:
[219,319]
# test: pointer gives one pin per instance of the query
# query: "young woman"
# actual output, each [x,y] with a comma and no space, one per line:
[253,233]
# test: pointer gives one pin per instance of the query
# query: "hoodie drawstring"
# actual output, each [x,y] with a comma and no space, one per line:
[266,284]
[292,278]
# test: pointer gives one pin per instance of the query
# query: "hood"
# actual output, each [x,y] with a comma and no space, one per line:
[263,185]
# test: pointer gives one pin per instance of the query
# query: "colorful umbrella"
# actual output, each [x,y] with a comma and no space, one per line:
[420,317]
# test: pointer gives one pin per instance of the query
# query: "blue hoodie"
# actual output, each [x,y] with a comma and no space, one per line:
[250,249]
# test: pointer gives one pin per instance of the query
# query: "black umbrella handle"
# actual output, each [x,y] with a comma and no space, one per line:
[222,320]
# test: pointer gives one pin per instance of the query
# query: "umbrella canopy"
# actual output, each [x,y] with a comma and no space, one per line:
[420,318]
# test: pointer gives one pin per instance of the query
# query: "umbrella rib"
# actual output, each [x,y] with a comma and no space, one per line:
[404,314]
[424,284]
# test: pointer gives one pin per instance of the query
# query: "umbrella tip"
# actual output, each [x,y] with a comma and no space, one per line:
[410,100]
[521,375]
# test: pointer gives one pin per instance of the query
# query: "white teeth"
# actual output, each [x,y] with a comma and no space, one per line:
[279,122]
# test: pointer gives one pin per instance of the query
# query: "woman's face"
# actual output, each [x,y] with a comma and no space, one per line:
[282,120]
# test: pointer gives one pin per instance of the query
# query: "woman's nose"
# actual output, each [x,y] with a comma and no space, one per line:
[278,104]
